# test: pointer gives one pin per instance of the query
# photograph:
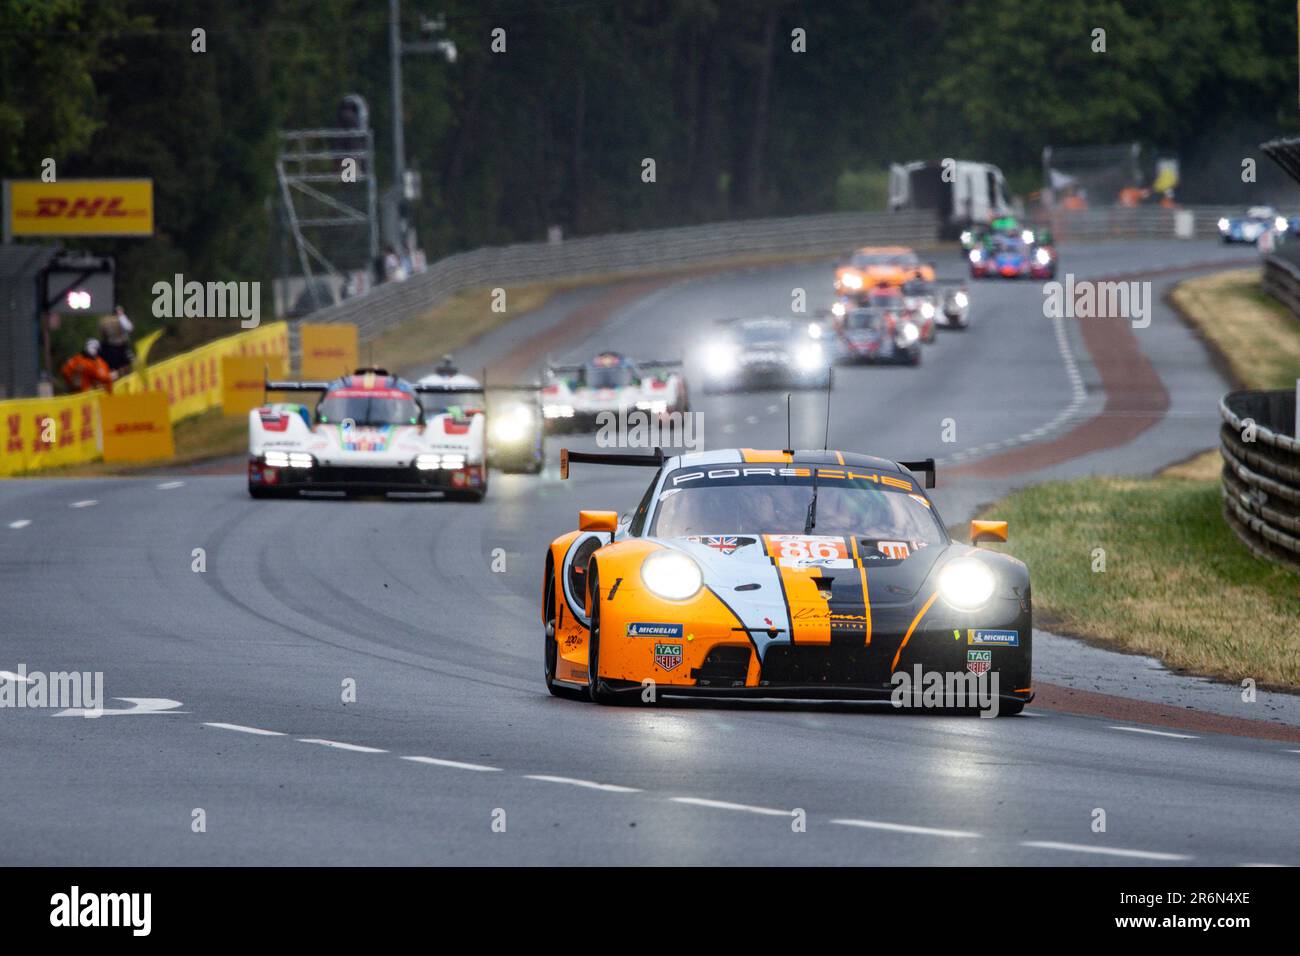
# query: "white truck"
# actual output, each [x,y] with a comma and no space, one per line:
[962,193]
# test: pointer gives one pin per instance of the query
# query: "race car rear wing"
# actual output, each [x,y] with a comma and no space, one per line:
[598,458]
[925,467]
[270,386]
[436,389]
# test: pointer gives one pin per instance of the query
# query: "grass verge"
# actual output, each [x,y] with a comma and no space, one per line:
[1177,584]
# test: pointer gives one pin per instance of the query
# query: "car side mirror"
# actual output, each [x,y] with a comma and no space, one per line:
[987,531]
[599,521]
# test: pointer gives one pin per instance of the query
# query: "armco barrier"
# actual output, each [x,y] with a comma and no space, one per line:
[1261,478]
[1281,276]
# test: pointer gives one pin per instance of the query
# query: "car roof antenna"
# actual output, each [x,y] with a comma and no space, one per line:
[826,438]
[787,450]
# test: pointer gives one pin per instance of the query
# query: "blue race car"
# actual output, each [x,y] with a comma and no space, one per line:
[1257,221]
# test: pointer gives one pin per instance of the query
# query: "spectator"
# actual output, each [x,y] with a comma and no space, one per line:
[115,333]
[87,369]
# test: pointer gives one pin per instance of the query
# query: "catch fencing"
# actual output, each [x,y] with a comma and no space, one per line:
[1261,472]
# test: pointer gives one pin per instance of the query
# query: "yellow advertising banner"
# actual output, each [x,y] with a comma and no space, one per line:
[192,381]
[79,207]
[328,351]
[242,378]
[48,432]
[136,427]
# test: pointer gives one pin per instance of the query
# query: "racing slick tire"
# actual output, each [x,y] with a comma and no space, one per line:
[912,356]
[551,649]
[596,689]
[258,491]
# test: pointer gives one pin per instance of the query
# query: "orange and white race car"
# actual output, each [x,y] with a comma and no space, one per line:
[780,574]
[872,266]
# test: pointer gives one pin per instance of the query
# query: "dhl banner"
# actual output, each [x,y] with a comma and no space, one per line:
[328,350]
[79,207]
[136,427]
[48,432]
[192,381]
[242,378]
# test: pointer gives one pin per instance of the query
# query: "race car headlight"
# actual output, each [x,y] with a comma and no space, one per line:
[428,462]
[671,575]
[1027,235]
[654,408]
[288,459]
[1280,224]
[966,237]
[815,330]
[452,462]
[511,427]
[976,255]
[557,411]
[927,310]
[967,584]
[809,356]
[720,357]
[962,300]
[1223,225]
[908,333]
[838,309]
[851,280]
[1042,257]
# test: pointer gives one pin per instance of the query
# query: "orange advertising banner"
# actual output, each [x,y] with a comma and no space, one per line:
[328,350]
[79,207]
[136,427]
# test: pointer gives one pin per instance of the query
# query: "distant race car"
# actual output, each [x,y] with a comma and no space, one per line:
[794,574]
[915,309]
[948,302]
[767,351]
[1257,221]
[368,433]
[515,434]
[1012,257]
[873,266]
[876,333]
[573,395]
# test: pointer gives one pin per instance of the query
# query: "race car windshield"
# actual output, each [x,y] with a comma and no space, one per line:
[864,319]
[765,332]
[388,407]
[439,403]
[864,260]
[612,376]
[735,500]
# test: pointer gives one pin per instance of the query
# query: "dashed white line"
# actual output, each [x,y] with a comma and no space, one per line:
[169,485]
[1156,733]
[908,828]
[456,764]
[589,784]
[339,745]
[20,523]
[86,503]
[240,728]
[1291,751]
[724,805]
[1104,850]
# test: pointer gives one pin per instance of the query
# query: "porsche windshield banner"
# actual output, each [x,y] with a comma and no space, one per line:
[78,207]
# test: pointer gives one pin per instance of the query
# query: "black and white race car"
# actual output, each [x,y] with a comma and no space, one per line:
[765,352]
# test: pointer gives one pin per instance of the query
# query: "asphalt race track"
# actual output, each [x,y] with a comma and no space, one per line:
[452,728]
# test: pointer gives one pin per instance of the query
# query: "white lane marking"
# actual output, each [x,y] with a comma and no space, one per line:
[16,678]
[1103,850]
[1262,864]
[86,503]
[1156,733]
[139,706]
[908,828]
[243,730]
[339,745]
[724,805]
[20,523]
[590,784]
[1291,751]
[458,765]
[169,485]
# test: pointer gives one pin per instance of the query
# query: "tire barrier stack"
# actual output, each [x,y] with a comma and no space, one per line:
[1261,472]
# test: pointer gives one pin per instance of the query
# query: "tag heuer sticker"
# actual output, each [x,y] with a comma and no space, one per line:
[981,638]
[654,630]
[668,656]
[979,662]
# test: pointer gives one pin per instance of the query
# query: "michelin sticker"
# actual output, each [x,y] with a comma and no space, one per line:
[654,630]
[982,638]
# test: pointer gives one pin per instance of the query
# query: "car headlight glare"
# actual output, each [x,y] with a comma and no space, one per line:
[967,584]
[510,429]
[976,255]
[1280,224]
[1223,225]
[557,411]
[838,309]
[908,332]
[720,357]
[809,356]
[927,310]
[961,299]
[671,575]
[1043,257]
[851,280]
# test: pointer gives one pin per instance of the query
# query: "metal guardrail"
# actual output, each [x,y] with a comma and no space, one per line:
[394,302]
[1281,276]
[1261,478]
[1137,222]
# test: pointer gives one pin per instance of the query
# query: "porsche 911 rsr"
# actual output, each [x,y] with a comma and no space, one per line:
[873,333]
[767,352]
[515,436]
[801,574]
[368,433]
[879,265]
[574,395]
